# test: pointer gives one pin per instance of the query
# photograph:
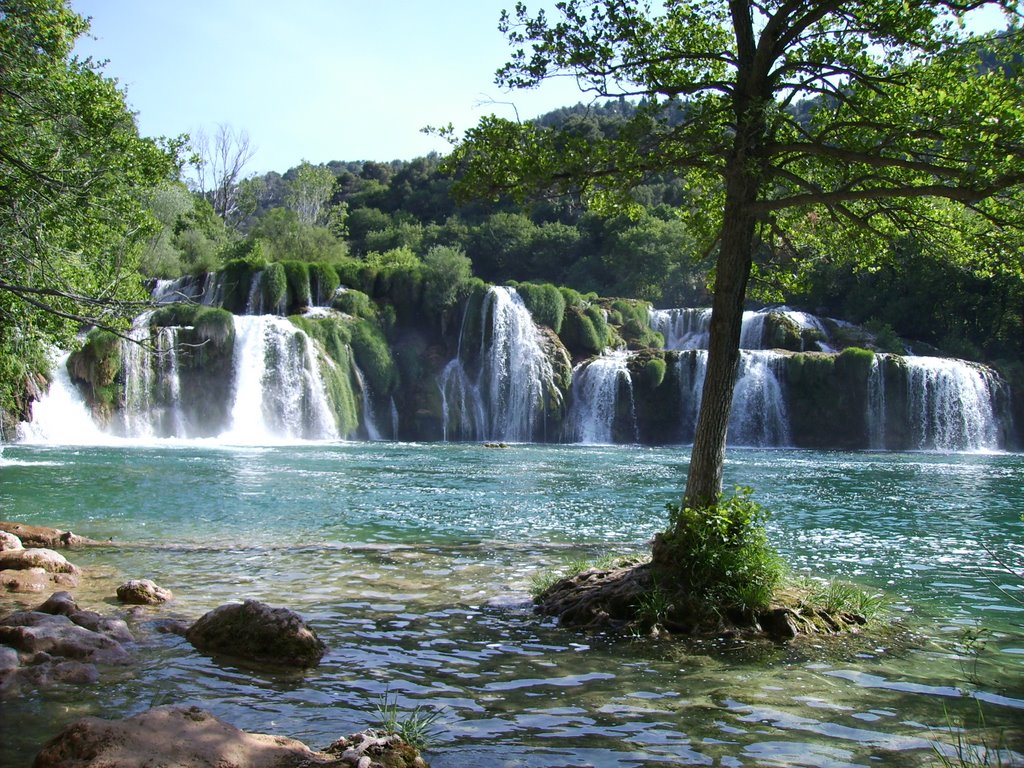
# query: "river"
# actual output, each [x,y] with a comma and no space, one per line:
[413,563]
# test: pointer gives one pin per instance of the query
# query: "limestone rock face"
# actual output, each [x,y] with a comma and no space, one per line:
[257,632]
[143,592]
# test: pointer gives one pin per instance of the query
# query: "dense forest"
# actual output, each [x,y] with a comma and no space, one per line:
[404,214]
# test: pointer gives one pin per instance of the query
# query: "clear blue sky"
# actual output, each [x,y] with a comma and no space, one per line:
[315,80]
[318,80]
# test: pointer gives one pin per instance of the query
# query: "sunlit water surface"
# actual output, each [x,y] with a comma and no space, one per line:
[413,563]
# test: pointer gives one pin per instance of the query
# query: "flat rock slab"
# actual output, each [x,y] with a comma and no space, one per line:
[34,580]
[50,538]
[193,738]
[255,631]
[171,736]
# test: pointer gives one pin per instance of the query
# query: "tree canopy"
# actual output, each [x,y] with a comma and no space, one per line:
[73,174]
[793,123]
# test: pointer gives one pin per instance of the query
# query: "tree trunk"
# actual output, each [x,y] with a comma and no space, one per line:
[707,458]
[704,483]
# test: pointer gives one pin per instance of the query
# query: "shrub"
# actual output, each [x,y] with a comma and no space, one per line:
[373,356]
[355,303]
[275,287]
[545,302]
[721,554]
[855,363]
[297,275]
[323,283]
[654,372]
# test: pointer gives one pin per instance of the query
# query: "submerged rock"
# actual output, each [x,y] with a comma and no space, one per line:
[58,642]
[255,631]
[143,592]
[179,736]
[48,538]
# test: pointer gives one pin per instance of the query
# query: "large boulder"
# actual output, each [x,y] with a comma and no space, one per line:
[35,557]
[180,736]
[9,541]
[255,631]
[34,633]
[143,592]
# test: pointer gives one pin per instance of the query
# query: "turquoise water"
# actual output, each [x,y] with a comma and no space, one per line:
[413,563]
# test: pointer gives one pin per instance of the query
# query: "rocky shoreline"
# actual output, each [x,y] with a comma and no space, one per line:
[57,641]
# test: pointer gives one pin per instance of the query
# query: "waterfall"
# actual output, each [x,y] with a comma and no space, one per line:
[935,403]
[752,330]
[759,416]
[951,404]
[690,371]
[369,418]
[254,302]
[596,386]
[279,392]
[61,416]
[504,398]
[876,404]
[683,328]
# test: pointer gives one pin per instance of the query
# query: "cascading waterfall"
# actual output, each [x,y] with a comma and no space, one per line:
[691,368]
[876,404]
[505,399]
[60,416]
[369,418]
[752,331]
[596,389]
[279,392]
[683,328]
[949,404]
[759,416]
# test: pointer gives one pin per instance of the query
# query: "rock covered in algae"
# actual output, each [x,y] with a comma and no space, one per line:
[143,592]
[255,631]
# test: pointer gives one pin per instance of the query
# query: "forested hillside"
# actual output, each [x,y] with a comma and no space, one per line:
[400,212]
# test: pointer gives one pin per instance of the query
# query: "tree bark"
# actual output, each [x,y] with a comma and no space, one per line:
[704,483]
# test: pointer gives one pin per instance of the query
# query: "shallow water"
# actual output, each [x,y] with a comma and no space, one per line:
[413,563]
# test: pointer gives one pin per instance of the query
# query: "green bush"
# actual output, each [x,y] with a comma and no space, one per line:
[297,276]
[654,372]
[323,283]
[545,302]
[275,287]
[373,356]
[721,554]
[355,303]
[855,363]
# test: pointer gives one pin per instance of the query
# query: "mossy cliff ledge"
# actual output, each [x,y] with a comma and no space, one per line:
[375,352]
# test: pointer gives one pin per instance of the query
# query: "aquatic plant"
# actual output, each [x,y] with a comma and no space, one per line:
[418,727]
